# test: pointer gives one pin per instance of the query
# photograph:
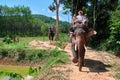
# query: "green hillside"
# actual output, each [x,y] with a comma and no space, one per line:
[64,25]
[26,24]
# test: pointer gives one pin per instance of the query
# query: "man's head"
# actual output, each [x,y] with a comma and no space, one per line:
[80,12]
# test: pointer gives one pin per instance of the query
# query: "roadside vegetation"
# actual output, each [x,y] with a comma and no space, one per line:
[17,55]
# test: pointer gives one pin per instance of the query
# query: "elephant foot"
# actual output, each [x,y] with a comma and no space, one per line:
[75,60]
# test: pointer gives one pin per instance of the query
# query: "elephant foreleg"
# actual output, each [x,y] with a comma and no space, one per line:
[81,50]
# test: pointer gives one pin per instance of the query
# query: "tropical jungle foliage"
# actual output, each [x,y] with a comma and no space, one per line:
[104,18]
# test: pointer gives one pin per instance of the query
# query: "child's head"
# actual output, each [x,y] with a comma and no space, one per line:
[74,15]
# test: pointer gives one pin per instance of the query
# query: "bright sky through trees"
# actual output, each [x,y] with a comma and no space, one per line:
[37,7]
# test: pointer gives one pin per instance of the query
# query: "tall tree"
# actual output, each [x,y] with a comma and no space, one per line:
[55,6]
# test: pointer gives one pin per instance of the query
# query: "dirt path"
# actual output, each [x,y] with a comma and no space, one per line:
[97,64]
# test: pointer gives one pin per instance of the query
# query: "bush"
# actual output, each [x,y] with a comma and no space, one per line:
[7,39]
[36,55]
[114,40]
[3,52]
[20,55]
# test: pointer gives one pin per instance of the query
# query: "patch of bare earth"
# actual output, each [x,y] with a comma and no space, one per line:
[97,65]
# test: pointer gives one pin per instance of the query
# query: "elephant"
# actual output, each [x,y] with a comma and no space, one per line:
[78,41]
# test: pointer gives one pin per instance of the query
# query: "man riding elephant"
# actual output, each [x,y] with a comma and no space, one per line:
[81,21]
[51,33]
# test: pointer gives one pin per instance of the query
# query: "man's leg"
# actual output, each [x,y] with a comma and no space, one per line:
[90,33]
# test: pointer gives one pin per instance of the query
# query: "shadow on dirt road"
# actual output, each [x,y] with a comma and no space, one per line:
[96,66]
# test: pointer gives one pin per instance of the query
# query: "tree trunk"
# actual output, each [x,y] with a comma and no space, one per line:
[57,23]
[94,15]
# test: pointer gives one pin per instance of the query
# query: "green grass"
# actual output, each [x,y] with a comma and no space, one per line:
[23,70]
[117,74]
[23,42]
[64,37]
[56,58]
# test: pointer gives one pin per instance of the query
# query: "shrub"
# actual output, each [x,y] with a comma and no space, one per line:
[36,55]
[3,52]
[20,55]
[7,39]
[114,40]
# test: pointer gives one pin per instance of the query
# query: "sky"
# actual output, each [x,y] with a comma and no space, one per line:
[37,7]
